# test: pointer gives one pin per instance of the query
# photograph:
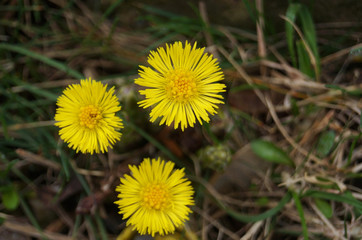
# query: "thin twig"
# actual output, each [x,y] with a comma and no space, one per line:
[242,73]
[241,51]
[339,54]
[285,133]
[87,172]
[326,222]
[208,37]
[260,34]
[37,159]
[252,231]
[216,224]
[21,126]
[29,230]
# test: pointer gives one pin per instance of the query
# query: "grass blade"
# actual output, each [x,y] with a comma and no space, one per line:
[40,92]
[255,218]
[299,207]
[310,35]
[101,226]
[309,29]
[65,164]
[156,143]
[250,9]
[303,59]
[298,11]
[77,223]
[291,14]
[46,60]
[346,197]
[31,216]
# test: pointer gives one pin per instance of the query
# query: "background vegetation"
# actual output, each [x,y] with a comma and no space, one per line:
[281,160]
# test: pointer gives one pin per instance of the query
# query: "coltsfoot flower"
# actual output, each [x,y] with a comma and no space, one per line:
[155,197]
[181,85]
[86,117]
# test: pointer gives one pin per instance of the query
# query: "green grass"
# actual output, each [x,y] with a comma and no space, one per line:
[45,45]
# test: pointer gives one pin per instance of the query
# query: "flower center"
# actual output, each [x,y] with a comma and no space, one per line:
[156,196]
[181,85]
[89,116]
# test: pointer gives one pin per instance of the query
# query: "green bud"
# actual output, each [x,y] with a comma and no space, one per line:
[215,157]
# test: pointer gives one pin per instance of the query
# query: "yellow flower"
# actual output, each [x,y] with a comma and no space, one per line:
[86,117]
[182,85]
[155,198]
